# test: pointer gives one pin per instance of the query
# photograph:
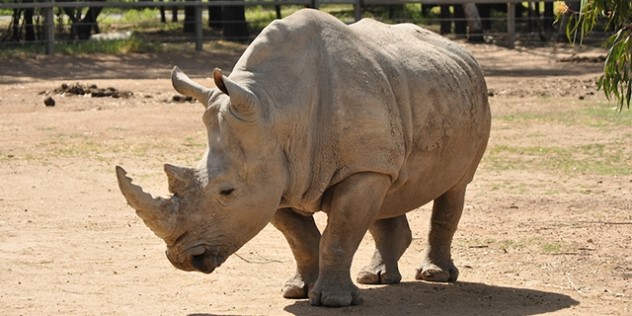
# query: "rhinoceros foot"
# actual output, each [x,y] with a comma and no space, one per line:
[378,274]
[435,273]
[298,286]
[336,294]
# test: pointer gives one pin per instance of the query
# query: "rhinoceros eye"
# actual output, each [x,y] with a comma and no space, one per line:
[226,192]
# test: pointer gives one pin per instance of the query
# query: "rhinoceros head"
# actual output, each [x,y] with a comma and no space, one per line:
[232,194]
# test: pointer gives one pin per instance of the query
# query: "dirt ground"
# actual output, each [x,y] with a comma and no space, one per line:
[534,238]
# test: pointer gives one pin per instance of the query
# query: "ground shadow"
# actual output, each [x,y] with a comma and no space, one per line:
[103,66]
[461,298]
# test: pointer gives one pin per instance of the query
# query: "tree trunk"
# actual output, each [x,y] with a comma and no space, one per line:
[29,28]
[549,16]
[174,14]
[460,26]
[446,22]
[215,17]
[15,25]
[277,10]
[89,22]
[189,18]
[475,27]
[234,19]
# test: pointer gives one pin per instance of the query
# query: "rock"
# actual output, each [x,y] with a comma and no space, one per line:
[91,90]
[97,93]
[49,101]
[182,99]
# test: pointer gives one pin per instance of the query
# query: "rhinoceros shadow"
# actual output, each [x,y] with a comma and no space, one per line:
[461,298]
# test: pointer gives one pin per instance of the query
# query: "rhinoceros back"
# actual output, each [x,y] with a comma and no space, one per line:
[369,97]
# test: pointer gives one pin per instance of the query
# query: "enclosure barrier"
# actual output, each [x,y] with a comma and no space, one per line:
[48,9]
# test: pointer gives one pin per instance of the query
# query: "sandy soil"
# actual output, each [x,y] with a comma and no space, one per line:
[532,241]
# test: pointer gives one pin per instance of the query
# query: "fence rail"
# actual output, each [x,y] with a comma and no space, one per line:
[48,10]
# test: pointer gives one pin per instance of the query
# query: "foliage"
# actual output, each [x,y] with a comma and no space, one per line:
[616,78]
[137,43]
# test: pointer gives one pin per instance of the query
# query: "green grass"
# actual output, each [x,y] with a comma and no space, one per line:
[599,158]
[598,116]
[533,244]
[557,247]
[137,43]
[596,156]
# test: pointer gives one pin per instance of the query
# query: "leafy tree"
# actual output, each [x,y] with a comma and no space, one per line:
[617,74]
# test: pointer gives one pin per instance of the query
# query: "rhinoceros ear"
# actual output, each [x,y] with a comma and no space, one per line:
[183,84]
[243,103]
[219,80]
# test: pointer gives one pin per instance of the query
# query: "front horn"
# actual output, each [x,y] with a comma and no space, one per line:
[157,213]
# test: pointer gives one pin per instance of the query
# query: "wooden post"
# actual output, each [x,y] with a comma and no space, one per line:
[49,29]
[357,10]
[198,28]
[511,24]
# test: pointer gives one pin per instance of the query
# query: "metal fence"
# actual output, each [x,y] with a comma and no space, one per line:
[47,8]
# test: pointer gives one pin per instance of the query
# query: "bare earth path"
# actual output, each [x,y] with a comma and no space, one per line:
[547,227]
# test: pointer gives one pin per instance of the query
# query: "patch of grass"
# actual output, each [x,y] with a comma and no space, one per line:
[193,142]
[137,43]
[85,146]
[600,159]
[143,15]
[24,50]
[512,244]
[599,116]
[259,17]
[557,247]
[498,244]
[608,157]
[531,244]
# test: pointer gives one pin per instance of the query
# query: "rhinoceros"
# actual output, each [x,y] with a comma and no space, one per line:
[364,122]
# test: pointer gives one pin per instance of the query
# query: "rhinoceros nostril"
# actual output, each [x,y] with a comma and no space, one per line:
[204,263]
[198,262]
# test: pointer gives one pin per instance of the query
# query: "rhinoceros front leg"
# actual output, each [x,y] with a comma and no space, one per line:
[446,212]
[353,205]
[392,237]
[303,236]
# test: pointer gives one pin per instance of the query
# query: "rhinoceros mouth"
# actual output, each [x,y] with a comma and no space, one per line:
[204,263]
[204,260]
[196,258]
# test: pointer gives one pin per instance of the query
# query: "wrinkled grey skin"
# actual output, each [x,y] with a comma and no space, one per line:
[364,122]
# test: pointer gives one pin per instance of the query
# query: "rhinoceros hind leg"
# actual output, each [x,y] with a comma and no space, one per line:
[303,236]
[446,212]
[392,237]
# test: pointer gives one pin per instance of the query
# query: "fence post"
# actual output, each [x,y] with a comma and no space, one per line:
[198,28]
[357,10]
[49,28]
[511,23]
